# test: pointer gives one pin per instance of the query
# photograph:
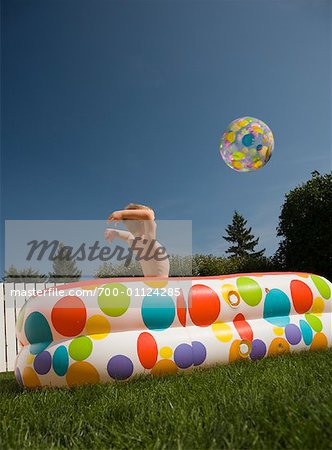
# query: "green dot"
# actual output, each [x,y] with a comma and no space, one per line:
[249,290]
[314,322]
[80,348]
[322,286]
[113,299]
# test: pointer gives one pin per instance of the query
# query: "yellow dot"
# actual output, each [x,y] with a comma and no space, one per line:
[222,331]
[30,359]
[278,331]
[98,327]
[258,164]
[30,378]
[231,136]
[237,164]
[166,352]
[317,306]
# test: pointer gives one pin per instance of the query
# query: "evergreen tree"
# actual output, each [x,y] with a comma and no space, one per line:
[64,266]
[243,242]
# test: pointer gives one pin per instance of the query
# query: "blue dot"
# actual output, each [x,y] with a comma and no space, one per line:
[259,147]
[306,332]
[248,139]
[158,312]
[60,361]
[37,329]
[277,308]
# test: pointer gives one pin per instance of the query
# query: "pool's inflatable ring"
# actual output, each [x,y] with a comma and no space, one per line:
[106,330]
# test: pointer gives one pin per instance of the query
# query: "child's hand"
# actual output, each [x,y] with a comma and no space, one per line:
[110,234]
[116,216]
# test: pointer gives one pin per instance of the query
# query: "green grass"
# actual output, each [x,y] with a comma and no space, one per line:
[283,402]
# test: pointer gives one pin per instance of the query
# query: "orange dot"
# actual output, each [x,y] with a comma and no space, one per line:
[147,350]
[164,366]
[319,342]
[30,378]
[82,372]
[69,316]
[234,351]
[181,308]
[204,305]
[301,295]
[278,346]
[243,327]
[156,284]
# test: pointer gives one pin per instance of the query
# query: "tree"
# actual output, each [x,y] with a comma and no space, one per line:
[243,241]
[13,275]
[305,225]
[64,266]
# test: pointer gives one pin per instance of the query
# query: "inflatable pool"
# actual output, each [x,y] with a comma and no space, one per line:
[113,329]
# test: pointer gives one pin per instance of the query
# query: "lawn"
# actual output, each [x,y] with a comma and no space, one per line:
[283,402]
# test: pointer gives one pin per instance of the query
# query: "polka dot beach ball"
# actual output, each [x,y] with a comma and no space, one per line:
[247,144]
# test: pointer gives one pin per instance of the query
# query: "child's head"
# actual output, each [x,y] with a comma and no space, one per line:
[136,227]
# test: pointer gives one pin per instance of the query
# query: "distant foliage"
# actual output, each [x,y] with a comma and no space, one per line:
[14,275]
[305,225]
[64,267]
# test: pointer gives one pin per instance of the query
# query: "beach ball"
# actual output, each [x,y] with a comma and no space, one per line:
[247,144]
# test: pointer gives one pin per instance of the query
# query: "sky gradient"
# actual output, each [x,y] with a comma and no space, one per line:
[110,102]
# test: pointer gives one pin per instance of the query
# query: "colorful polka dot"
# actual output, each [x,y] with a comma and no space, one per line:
[42,363]
[222,331]
[301,295]
[69,316]
[278,346]
[258,349]
[120,367]
[98,327]
[80,373]
[277,308]
[306,332]
[204,305]
[60,361]
[158,312]
[322,286]
[181,309]
[243,327]
[249,290]
[37,329]
[163,367]
[80,348]
[293,334]
[166,352]
[30,378]
[319,342]
[147,350]
[314,322]
[113,299]
[183,356]
[199,353]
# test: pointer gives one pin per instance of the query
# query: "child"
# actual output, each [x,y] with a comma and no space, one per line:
[140,221]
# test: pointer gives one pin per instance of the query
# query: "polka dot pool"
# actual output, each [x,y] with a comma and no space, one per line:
[104,330]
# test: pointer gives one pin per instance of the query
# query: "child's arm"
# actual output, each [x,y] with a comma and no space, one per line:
[111,234]
[131,214]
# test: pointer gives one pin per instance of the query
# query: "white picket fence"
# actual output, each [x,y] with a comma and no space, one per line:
[10,305]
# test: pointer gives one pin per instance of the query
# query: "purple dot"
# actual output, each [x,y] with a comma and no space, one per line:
[293,334]
[183,356]
[258,349]
[199,353]
[18,376]
[42,363]
[120,367]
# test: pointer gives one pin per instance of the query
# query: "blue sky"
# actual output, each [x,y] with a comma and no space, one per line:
[110,102]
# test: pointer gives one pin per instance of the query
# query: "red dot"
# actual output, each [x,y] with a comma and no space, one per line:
[243,327]
[147,350]
[69,316]
[204,305]
[301,295]
[181,308]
